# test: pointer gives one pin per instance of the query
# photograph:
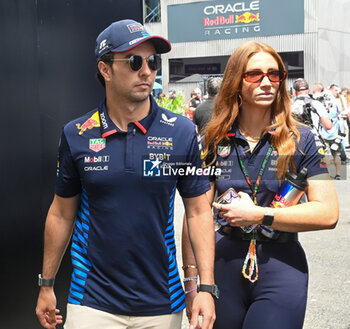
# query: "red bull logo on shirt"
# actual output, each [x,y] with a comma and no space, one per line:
[92,122]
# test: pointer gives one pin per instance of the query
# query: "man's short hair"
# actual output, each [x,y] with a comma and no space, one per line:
[300,85]
[334,85]
[213,85]
[106,58]
[319,87]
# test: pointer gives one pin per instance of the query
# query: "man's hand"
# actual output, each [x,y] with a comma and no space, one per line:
[46,310]
[189,303]
[203,305]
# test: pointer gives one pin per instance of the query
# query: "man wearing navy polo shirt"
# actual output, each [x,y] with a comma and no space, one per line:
[118,169]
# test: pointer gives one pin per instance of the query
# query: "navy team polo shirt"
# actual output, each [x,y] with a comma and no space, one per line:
[310,155]
[123,248]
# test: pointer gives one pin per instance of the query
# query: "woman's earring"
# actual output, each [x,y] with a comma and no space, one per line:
[239,100]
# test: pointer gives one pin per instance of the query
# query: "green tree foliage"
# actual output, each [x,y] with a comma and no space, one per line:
[177,105]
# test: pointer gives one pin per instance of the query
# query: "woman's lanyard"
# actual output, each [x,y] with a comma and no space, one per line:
[251,255]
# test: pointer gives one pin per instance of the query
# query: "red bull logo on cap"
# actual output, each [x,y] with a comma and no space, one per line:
[92,122]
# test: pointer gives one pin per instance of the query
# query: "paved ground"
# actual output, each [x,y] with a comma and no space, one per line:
[329,265]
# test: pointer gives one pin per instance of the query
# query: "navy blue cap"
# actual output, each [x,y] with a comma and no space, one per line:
[124,35]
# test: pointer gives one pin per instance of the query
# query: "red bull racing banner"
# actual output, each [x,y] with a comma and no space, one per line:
[225,19]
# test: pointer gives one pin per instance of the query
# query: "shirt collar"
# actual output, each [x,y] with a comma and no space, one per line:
[109,128]
[235,132]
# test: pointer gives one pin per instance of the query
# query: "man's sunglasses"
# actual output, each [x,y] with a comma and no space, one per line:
[136,62]
[258,76]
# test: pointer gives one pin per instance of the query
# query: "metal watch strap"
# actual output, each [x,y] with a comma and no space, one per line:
[45,282]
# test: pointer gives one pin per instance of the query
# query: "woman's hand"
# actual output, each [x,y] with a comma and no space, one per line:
[241,212]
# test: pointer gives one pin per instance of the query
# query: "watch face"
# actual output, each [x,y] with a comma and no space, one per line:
[268,219]
[216,292]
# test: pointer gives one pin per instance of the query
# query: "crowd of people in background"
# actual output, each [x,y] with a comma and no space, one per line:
[325,109]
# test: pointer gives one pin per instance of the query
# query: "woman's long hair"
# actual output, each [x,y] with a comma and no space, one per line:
[226,109]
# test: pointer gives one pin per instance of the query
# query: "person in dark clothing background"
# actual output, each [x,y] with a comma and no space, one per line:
[202,114]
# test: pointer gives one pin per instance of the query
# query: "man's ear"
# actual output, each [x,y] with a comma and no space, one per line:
[105,70]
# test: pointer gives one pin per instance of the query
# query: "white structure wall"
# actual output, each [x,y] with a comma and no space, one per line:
[325,43]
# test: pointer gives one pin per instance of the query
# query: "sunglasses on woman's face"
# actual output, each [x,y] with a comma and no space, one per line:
[136,62]
[258,76]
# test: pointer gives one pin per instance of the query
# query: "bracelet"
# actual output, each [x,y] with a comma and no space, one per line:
[189,291]
[191,278]
[188,266]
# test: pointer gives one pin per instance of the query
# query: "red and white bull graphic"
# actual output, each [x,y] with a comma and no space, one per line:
[92,122]
[247,18]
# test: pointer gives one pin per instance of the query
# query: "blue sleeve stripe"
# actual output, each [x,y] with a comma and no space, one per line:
[78,225]
[81,258]
[172,264]
[85,211]
[171,219]
[173,305]
[80,273]
[75,238]
[84,201]
[169,234]
[77,228]
[84,196]
[171,210]
[77,287]
[73,301]
[170,257]
[172,288]
[173,272]
[171,281]
[177,293]
[169,240]
[83,216]
[85,227]
[78,248]
[171,202]
[76,264]
[86,235]
[77,280]
[171,246]
[180,308]
[80,238]
[170,227]
[76,294]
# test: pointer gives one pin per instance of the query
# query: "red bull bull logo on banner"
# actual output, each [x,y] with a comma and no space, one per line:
[92,122]
[247,18]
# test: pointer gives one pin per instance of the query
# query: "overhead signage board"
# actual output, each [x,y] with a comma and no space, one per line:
[225,19]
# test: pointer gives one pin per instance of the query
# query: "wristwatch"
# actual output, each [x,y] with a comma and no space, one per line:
[268,218]
[45,282]
[212,289]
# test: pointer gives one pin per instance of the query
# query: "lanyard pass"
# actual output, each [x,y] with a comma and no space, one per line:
[253,263]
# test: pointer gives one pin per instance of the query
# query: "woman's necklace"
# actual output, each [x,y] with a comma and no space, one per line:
[249,137]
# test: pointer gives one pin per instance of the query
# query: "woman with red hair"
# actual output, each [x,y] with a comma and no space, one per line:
[254,140]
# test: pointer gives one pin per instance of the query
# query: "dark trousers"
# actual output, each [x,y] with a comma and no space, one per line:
[276,300]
